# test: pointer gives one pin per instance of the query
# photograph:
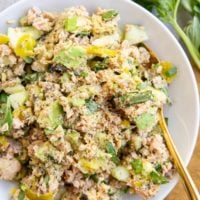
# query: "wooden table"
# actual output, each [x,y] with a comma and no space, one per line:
[178,192]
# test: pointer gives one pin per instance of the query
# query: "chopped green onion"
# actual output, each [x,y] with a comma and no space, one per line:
[157,178]
[111,150]
[137,166]
[109,15]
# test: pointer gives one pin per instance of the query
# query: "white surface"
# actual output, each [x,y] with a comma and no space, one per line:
[184,113]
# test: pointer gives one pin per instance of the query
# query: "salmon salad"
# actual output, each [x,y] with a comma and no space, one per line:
[79,101]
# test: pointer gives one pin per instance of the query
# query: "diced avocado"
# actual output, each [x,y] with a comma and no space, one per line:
[56,114]
[135,34]
[51,116]
[18,99]
[14,89]
[77,102]
[46,151]
[145,121]
[120,173]
[71,57]
[73,138]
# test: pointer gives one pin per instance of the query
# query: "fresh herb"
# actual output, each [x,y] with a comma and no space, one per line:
[167,11]
[21,195]
[92,106]
[157,178]
[97,64]
[137,166]
[109,15]
[33,77]
[133,98]
[111,150]
[3,97]
[83,34]
[158,168]
[94,178]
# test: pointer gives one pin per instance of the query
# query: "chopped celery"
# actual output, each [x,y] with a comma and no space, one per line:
[14,89]
[21,195]
[120,173]
[111,150]
[135,34]
[109,15]
[137,166]
[147,168]
[18,99]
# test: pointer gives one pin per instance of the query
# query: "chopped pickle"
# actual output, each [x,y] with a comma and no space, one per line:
[109,15]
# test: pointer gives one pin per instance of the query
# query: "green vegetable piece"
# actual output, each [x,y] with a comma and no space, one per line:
[18,99]
[94,178]
[109,15]
[72,57]
[137,166]
[133,98]
[6,115]
[167,11]
[171,72]
[120,173]
[77,102]
[145,121]
[135,34]
[56,114]
[83,33]
[158,168]
[73,138]
[3,97]
[111,150]
[92,106]
[98,64]
[21,195]
[14,89]
[71,24]
[33,77]
[158,178]
[28,60]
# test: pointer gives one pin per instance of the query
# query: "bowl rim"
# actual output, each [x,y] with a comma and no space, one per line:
[187,63]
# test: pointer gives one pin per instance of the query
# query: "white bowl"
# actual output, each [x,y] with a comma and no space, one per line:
[183,114]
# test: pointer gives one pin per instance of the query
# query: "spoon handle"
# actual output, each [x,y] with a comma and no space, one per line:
[182,170]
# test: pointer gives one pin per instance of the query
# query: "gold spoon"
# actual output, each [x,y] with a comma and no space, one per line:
[182,170]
